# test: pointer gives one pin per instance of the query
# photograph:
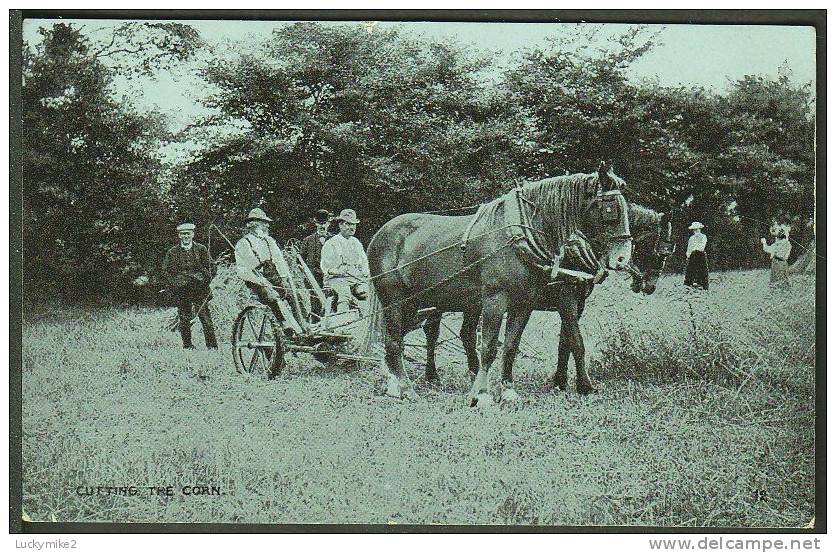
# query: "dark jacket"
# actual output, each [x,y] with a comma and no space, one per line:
[188,271]
[311,251]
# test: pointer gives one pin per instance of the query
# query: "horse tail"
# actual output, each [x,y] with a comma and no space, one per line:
[374,330]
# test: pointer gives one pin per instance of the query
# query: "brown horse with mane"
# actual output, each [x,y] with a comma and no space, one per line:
[652,247]
[495,262]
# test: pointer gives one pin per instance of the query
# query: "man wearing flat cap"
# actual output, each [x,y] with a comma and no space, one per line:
[187,272]
[261,265]
[344,264]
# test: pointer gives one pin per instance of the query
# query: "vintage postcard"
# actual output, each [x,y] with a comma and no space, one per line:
[379,272]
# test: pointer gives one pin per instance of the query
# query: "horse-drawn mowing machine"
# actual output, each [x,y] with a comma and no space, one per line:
[261,343]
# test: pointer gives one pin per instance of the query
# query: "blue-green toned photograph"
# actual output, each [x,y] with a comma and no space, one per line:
[418,273]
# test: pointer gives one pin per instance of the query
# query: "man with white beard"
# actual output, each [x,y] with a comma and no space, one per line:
[261,265]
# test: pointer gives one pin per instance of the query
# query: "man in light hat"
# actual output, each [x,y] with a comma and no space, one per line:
[696,271]
[187,272]
[344,264]
[261,265]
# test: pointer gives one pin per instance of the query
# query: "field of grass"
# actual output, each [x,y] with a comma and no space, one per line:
[704,418]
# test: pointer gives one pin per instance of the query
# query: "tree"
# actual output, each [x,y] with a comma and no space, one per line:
[92,205]
[335,116]
[735,161]
[578,102]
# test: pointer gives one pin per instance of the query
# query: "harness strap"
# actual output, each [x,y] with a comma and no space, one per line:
[522,237]
[255,252]
[531,239]
[587,256]
[469,229]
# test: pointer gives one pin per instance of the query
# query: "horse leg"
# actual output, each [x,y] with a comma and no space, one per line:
[398,383]
[470,321]
[563,353]
[494,307]
[432,328]
[515,325]
[583,384]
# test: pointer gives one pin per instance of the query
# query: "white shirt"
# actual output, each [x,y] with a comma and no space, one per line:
[344,256]
[780,248]
[696,243]
[251,251]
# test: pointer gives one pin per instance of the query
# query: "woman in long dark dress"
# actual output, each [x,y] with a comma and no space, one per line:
[696,272]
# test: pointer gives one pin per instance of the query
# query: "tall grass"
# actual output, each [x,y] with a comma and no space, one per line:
[724,337]
[676,437]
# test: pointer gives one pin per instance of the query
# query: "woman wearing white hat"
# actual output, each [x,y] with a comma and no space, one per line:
[779,251]
[696,272]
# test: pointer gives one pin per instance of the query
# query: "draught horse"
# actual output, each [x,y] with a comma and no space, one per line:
[652,245]
[494,262]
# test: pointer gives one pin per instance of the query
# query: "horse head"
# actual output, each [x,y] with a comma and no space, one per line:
[652,248]
[606,222]
[586,209]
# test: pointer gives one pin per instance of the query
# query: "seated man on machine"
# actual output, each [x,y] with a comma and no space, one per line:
[345,267]
[261,265]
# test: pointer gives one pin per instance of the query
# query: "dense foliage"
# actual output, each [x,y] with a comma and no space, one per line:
[386,122]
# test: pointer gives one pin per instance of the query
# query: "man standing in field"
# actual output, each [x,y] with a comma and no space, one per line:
[187,271]
[344,264]
[261,265]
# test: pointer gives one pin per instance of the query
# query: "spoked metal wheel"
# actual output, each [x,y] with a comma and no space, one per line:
[257,343]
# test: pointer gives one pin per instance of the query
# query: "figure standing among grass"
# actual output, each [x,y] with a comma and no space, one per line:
[779,251]
[696,272]
[187,271]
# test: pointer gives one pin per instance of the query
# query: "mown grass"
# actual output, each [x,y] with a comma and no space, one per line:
[705,399]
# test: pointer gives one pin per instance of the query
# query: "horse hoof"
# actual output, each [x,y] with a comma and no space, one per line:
[585,388]
[393,387]
[509,396]
[482,399]
[408,393]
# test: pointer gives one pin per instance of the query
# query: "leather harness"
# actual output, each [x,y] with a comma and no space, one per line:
[524,236]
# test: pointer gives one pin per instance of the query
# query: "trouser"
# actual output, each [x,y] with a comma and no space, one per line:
[696,272]
[264,298]
[780,275]
[346,288]
[184,315]
[261,294]
[315,306]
